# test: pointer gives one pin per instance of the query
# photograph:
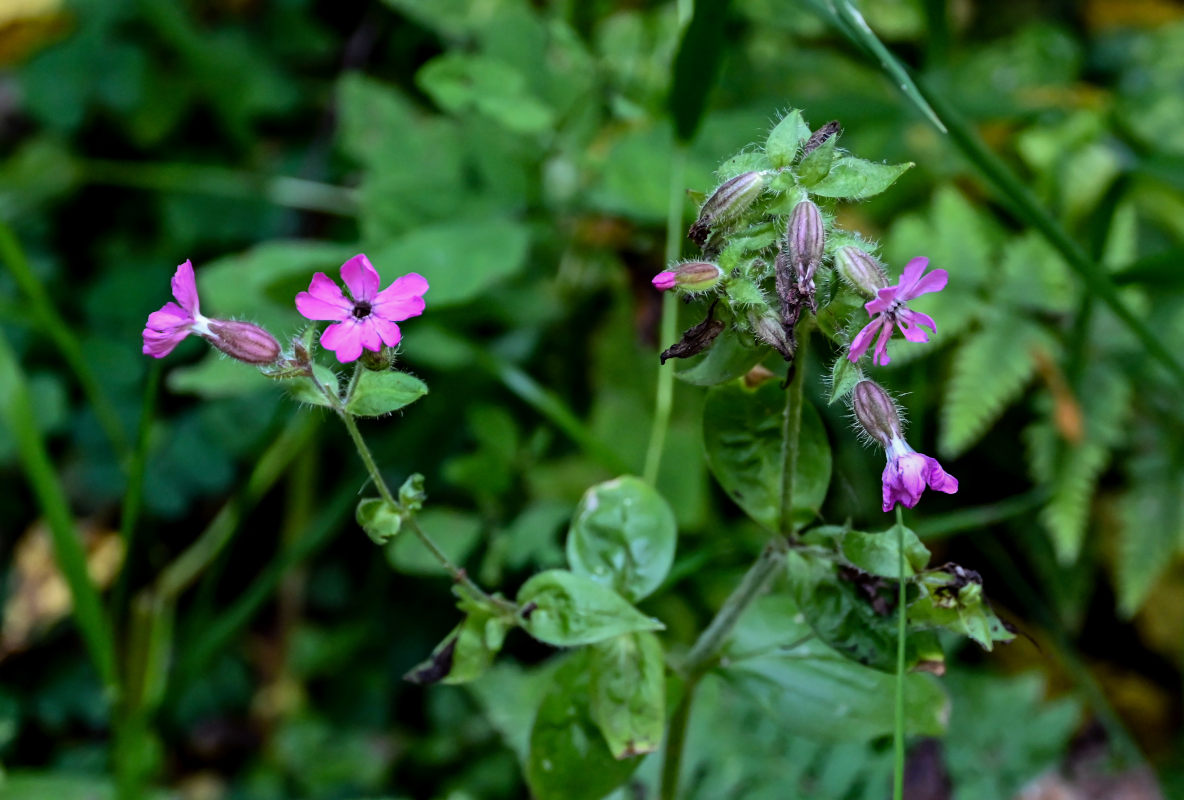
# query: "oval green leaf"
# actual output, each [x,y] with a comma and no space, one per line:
[378,393]
[629,692]
[742,436]
[623,535]
[855,178]
[786,137]
[564,609]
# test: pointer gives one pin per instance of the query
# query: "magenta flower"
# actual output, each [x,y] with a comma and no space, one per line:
[665,280]
[368,319]
[909,472]
[166,328]
[172,323]
[889,309]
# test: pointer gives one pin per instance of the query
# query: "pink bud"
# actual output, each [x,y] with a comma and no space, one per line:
[244,341]
[664,281]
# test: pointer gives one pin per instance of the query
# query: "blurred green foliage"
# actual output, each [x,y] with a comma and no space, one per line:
[518,155]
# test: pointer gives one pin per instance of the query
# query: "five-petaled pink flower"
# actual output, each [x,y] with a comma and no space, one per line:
[365,319]
[889,309]
[909,472]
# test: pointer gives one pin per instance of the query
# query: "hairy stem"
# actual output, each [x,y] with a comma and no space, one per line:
[791,430]
[901,630]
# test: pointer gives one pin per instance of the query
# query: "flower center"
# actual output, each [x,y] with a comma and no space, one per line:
[362,310]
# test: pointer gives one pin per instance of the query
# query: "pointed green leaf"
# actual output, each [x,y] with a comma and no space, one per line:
[623,535]
[843,377]
[465,653]
[952,598]
[817,163]
[378,393]
[854,178]
[564,609]
[786,138]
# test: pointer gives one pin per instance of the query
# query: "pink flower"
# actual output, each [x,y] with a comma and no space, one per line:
[909,472]
[889,309]
[368,319]
[664,281]
[167,327]
[172,323]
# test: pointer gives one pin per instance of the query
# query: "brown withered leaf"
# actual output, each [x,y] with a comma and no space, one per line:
[819,137]
[695,339]
[38,595]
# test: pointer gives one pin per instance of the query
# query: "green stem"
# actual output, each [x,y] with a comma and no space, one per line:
[54,326]
[16,410]
[185,569]
[676,741]
[664,397]
[134,496]
[901,631]
[791,429]
[458,575]
[283,191]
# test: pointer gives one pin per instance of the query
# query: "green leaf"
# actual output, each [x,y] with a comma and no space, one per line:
[827,696]
[816,164]
[628,676]
[786,138]
[568,757]
[696,66]
[854,178]
[990,370]
[454,532]
[381,520]
[742,436]
[565,609]
[623,535]
[303,390]
[748,161]
[461,260]
[729,357]
[877,553]
[1152,513]
[378,393]
[853,611]
[465,654]
[952,598]
[464,82]
[843,377]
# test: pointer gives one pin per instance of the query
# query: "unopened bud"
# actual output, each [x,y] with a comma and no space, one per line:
[729,201]
[244,341]
[876,412]
[806,237]
[769,330]
[861,270]
[694,276]
[379,361]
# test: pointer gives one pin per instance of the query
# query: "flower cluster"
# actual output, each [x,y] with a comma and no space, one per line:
[773,256]
[365,319]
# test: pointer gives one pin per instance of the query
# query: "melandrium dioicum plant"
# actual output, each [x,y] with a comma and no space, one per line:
[777,276]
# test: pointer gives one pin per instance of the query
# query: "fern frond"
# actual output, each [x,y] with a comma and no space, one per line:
[990,371]
[1152,514]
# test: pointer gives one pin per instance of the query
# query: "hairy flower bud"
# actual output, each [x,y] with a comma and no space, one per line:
[876,412]
[243,341]
[861,270]
[729,201]
[806,238]
[694,276]
[769,330]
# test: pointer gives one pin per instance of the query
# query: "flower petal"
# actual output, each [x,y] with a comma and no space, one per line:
[910,276]
[880,355]
[368,334]
[937,478]
[168,317]
[159,344]
[884,299]
[387,330]
[345,339]
[324,300]
[403,299]
[361,278]
[911,332]
[933,282]
[185,287]
[863,339]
